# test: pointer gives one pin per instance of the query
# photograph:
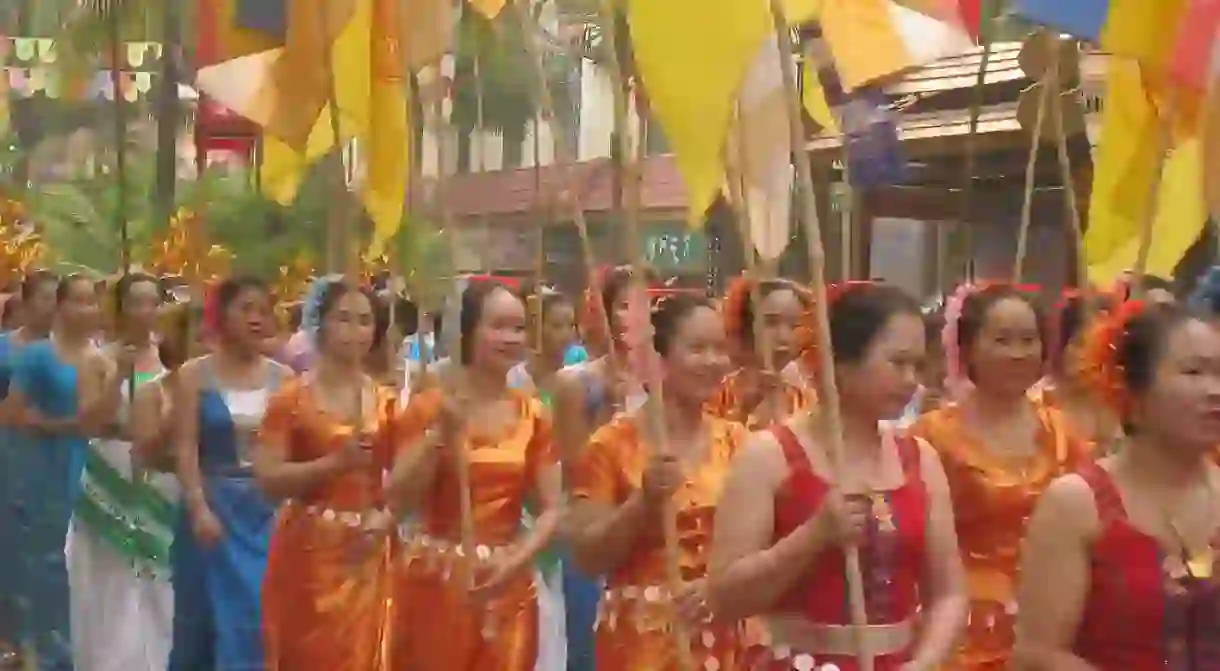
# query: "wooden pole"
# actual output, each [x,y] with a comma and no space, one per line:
[817,261]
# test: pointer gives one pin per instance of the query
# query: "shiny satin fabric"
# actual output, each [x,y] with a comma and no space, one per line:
[327,594]
[729,399]
[635,629]
[992,501]
[439,627]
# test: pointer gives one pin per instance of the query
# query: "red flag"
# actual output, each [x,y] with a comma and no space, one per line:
[1195,53]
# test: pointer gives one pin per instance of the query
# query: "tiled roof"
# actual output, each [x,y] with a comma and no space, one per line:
[513,191]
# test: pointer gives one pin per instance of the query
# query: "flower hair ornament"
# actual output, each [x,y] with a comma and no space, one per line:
[809,352]
[311,307]
[957,383]
[1100,368]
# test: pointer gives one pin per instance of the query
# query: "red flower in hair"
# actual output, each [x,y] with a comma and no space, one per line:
[1100,367]
[734,309]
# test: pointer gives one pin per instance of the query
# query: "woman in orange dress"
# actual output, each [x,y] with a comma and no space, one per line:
[756,394]
[1065,388]
[622,484]
[1000,449]
[474,608]
[325,446]
[789,512]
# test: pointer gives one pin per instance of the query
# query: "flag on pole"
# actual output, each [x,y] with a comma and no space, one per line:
[1196,65]
[764,149]
[872,40]
[692,77]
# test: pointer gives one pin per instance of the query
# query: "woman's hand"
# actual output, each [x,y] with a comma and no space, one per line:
[691,602]
[206,526]
[492,578]
[843,520]
[357,453]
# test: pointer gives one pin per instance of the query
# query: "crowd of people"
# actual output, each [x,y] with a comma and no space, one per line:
[1006,483]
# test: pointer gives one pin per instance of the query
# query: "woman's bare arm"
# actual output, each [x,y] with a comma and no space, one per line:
[1054,582]
[572,422]
[185,401]
[748,574]
[278,476]
[151,434]
[604,536]
[945,601]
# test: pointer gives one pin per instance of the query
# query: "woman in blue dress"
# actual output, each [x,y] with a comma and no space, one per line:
[57,399]
[27,317]
[220,548]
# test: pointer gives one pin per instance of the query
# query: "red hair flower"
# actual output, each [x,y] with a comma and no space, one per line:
[1100,368]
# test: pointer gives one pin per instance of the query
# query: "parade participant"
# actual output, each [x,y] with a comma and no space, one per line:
[554,324]
[37,291]
[622,483]
[463,612]
[10,314]
[58,399]
[220,546]
[153,430]
[755,395]
[586,397]
[118,548]
[324,448]
[1119,567]
[1065,388]
[789,510]
[1000,449]
[930,393]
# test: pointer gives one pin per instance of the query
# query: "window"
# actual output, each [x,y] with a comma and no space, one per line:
[655,142]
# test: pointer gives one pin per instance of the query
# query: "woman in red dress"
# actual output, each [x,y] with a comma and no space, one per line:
[1119,569]
[787,515]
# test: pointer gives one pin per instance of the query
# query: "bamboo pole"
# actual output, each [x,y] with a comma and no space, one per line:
[655,417]
[462,465]
[1050,81]
[1069,187]
[817,261]
[564,157]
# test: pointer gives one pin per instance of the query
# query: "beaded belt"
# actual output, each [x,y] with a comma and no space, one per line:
[348,518]
[649,608]
[798,639]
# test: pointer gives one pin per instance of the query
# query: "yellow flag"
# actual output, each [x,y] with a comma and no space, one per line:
[1125,163]
[692,76]
[1143,30]
[1181,217]
[489,8]
[813,98]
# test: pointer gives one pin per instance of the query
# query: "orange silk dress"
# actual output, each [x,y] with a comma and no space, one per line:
[442,629]
[327,591]
[728,402]
[992,501]
[634,625]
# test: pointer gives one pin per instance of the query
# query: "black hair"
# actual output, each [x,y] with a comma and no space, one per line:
[1151,282]
[406,315]
[337,291]
[977,307]
[668,316]
[765,288]
[933,326]
[551,300]
[1142,344]
[66,283]
[860,314]
[1072,313]
[616,282]
[34,281]
[473,300]
[230,290]
[123,287]
[173,348]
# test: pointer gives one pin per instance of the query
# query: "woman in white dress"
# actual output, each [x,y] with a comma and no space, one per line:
[118,544]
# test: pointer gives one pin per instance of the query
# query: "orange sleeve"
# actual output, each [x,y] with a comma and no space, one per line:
[281,416]
[598,475]
[415,419]
[540,452]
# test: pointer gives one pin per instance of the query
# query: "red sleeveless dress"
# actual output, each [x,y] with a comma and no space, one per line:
[1144,612]
[892,560]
